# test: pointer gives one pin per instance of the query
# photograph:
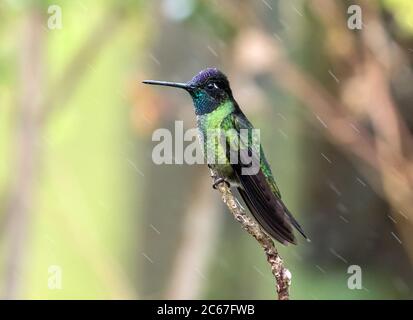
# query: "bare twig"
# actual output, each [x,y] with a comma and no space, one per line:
[282,275]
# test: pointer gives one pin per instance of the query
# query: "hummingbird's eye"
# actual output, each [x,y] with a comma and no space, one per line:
[212,86]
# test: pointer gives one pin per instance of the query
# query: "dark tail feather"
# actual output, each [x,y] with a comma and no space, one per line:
[268,220]
[294,222]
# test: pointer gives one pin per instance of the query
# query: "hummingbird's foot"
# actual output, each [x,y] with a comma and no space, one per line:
[217,181]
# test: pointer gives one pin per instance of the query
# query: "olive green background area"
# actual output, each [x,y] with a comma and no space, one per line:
[79,190]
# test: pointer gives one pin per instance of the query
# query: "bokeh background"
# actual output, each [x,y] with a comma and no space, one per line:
[80,194]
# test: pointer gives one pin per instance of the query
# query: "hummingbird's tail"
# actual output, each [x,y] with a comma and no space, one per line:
[294,222]
[269,210]
[278,230]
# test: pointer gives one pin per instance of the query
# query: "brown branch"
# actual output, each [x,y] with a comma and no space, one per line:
[281,274]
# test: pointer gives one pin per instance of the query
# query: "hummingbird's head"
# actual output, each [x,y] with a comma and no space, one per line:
[208,89]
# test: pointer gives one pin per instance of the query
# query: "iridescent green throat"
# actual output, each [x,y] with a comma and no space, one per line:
[205,104]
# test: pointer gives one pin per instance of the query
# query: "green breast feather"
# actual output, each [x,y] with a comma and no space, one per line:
[210,127]
[224,119]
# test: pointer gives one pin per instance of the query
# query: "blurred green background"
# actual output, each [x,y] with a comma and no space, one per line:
[79,192]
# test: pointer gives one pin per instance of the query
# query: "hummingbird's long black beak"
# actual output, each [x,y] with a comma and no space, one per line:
[169,84]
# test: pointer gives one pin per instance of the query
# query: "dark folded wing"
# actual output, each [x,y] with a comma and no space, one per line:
[259,195]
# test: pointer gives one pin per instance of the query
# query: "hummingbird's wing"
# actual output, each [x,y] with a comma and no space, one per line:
[259,191]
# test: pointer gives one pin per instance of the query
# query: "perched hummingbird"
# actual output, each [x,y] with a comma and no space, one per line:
[216,109]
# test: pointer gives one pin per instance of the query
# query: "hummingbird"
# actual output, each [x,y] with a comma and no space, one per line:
[216,109]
